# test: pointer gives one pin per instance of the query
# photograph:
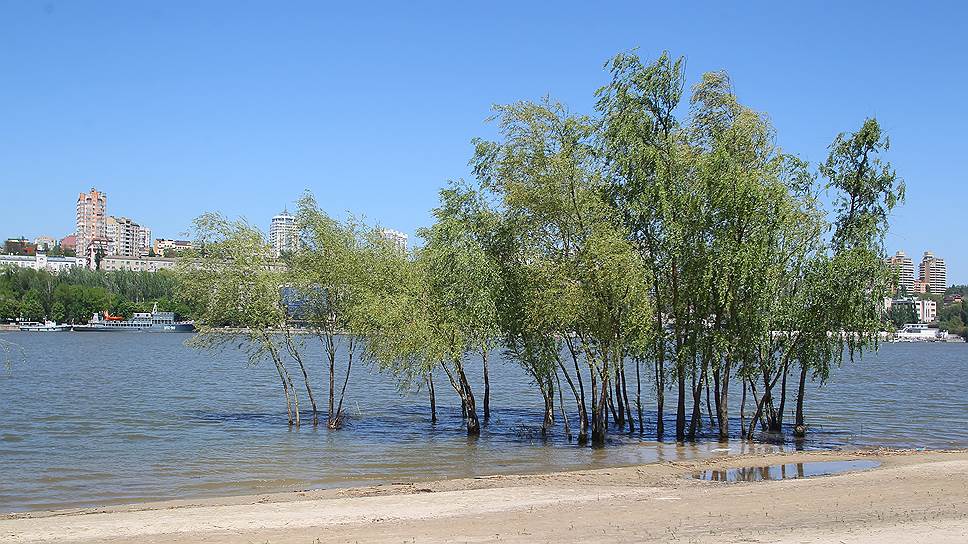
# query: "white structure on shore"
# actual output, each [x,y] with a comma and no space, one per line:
[925,310]
[919,332]
[42,262]
[282,234]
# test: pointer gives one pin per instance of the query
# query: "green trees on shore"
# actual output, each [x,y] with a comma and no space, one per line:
[74,295]
[664,241]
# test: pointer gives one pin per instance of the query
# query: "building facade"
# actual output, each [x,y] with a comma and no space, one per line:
[44,243]
[934,273]
[41,262]
[395,237]
[126,237]
[69,243]
[925,310]
[91,219]
[282,234]
[163,245]
[136,264]
[903,266]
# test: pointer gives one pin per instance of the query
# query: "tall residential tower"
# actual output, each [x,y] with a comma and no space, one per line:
[934,273]
[282,234]
[91,219]
[904,267]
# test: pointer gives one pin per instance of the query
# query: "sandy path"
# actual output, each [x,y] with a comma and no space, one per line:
[912,497]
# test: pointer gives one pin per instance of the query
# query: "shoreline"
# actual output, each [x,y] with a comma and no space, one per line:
[922,491]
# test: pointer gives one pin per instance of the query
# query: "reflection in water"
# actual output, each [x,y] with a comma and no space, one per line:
[98,419]
[788,471]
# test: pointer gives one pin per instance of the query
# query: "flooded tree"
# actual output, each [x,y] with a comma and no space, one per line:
[235,282]
[328,274]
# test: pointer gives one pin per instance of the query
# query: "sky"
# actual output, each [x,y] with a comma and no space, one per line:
[178,108]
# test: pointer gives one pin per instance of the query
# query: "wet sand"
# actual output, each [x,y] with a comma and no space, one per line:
[911,497]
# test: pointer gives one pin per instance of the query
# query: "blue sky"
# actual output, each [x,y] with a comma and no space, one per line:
[176,108]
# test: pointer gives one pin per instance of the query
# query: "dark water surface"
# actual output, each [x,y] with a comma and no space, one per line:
[90,419]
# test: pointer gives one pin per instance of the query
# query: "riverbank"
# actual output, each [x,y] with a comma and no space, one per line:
[911,497]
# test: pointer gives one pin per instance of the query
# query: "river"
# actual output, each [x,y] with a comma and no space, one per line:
[90,419]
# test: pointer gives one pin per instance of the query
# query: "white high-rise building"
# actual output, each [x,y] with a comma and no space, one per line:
[282,234]
[904,267]
[934,273]
[396,237]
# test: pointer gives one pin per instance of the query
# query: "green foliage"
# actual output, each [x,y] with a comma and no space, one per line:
[902,314]
[78,293]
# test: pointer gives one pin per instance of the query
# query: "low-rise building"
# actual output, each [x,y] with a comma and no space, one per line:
[136,264]
[69,243]
[42,261]
[44,243]
[163,245]
[925,310]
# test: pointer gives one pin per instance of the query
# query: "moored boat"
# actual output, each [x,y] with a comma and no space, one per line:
[47,326]
[153,321]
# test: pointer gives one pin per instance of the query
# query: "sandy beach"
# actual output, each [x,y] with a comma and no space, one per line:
[911,497]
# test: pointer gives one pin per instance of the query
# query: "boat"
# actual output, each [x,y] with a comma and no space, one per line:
[47,326]
[153,321]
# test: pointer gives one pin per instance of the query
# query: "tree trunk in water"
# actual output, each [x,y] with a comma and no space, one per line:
[548,391]
[298,358]
[638,393]
[722,400]
[696,391]
[487,388]
[625,399]
[777,423]
[709,409]
[611,404]
[295,396]
[342,393]
[284,378]
[561,407]
[799,427]
[742,411]
[659,399]
[285,390]
[331,412]
[618,411]
[681,406]
[473,424]
[599,424]
[582,408]
[433,398]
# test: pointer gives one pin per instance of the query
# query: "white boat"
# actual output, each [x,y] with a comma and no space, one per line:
[47,326]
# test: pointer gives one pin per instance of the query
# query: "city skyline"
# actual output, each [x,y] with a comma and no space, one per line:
[176,124]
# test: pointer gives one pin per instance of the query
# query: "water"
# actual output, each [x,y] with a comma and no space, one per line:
[789,471]
[90,419]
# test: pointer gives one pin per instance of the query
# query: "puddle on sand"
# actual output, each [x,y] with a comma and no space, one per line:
[789,471]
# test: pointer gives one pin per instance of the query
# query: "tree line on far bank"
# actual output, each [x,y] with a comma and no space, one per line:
[73,296]
[663,241]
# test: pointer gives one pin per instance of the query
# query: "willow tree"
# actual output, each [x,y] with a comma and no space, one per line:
[458,278]
[328,274]
[564,244]
[865,190]
[235,282]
